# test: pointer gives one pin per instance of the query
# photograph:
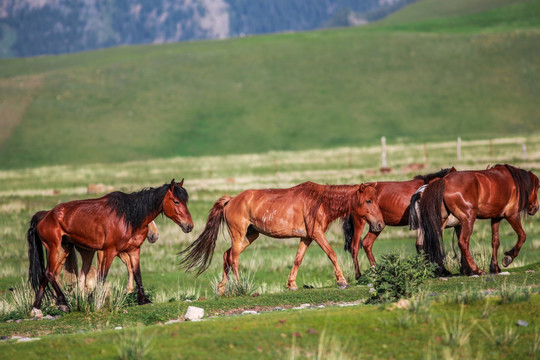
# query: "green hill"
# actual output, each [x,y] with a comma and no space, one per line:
[416,76]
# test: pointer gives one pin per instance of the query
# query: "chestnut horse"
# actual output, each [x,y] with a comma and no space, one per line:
[70,264]
[458,199]
[304,211]
[394,199]
[114,223]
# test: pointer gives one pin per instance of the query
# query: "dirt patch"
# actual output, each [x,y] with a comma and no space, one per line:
[16,94]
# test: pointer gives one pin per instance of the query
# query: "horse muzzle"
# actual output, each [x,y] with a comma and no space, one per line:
[152,239]
[186,227]
[377,227]
[533,211]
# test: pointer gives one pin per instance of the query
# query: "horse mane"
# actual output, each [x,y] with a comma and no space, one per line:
[135,207]
[439,174]
[336,199]
[524,185]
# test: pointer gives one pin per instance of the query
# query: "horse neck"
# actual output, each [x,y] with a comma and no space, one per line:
[139,208]
[338,200]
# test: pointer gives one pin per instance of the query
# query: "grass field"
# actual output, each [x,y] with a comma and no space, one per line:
[361,329]
[275,111]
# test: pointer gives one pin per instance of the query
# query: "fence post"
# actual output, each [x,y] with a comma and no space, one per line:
[383,155]
[524,151]
[459,148]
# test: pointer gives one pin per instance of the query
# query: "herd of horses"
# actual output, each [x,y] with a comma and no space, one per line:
[118,223]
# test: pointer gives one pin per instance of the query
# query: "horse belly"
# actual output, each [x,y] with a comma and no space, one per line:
[279,224]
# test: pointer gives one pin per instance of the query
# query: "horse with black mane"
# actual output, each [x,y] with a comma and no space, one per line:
[117,222]
[458,199]
[304,211]
[394,198]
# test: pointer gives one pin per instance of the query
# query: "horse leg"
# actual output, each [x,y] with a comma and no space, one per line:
[368,244]
[515,222]
[105,264]
[355,245]
[85,283]
[126,259]
[231,256]
[302,247]
[466,231]
[495,242]
[134,257]
[55,258]
[464,268]
[320,239]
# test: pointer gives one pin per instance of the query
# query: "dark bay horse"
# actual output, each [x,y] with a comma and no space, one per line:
[114,223]
[304,211]
[394,198]
[458,199]
[71,268]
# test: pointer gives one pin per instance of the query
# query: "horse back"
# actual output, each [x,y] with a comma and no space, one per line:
[394,199]
[489,193]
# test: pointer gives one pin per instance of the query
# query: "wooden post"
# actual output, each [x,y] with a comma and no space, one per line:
[383,155]
[425,153]
[459,148]
[491,147]
[524,151]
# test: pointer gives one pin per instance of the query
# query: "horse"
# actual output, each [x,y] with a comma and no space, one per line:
[117,222]
[458,199]
[70,264]
[394,200]
[304,211]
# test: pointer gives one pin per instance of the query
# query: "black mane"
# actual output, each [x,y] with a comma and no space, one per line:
[135,207]
[524,185]
[427,178]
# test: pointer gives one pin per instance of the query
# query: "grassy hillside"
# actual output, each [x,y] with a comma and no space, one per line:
[282,92]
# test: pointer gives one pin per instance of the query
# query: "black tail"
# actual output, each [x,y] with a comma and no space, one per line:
[431,221]
[36,270]
[199,254]
[348,232]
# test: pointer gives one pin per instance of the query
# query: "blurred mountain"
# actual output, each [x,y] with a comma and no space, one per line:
[38,27]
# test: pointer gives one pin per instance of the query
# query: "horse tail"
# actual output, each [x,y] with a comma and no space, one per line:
[199,254]
[36,269]
[431,221]
[348,232]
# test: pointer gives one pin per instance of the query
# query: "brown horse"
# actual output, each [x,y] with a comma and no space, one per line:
[394,199]
[458,199]
[114,223]
[303,211]
[71,267]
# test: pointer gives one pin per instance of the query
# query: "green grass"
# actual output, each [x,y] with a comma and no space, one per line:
[321,89]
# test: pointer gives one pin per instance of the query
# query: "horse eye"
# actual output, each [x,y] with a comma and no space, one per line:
[369,201]
[176,202]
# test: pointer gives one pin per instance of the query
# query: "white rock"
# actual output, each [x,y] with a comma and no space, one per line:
[118,328]
[194,313]
[250,312]
[174,321]
[504,273]
[26,339]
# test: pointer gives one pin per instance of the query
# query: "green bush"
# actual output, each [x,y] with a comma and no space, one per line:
[395,277]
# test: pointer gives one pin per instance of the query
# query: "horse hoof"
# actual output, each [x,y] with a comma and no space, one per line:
[507,260]
[293,288]
[342,286]
[144,301]
[36,313]
[63,308]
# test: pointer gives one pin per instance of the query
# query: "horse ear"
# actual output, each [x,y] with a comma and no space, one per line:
[453,169]
[181,182]
[171,186]
[362,187]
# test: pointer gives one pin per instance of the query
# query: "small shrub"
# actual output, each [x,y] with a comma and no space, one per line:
[513,293]
[133,344]
[506,338]
[245,286]
[395,277]
[455,332]
[22,298]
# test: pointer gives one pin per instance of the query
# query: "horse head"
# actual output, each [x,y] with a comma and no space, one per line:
[533,196]
[175,206]
[368,207]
